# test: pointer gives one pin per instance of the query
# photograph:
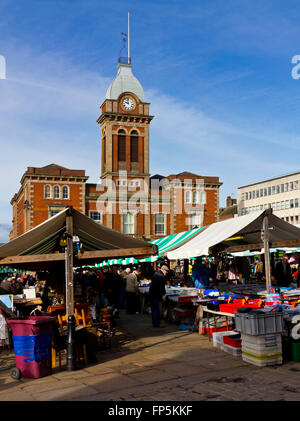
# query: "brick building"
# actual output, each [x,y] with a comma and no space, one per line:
[126,197]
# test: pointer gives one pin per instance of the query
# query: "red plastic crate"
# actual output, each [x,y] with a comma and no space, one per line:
[212,329]
[187,299]
[226,308]
[233,340]
[183,313]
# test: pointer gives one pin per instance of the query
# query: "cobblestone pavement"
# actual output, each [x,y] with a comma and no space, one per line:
[147,364]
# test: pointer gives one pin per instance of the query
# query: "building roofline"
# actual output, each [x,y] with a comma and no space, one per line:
[269,179]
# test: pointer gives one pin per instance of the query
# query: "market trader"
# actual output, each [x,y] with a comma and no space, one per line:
[156,291]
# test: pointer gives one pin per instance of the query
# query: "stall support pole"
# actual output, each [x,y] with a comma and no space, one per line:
[70,293]
[267,253]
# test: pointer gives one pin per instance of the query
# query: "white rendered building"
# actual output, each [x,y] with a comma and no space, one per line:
[282,194]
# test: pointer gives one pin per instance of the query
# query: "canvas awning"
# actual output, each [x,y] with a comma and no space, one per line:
[164,244]
[238,234]
[39,245]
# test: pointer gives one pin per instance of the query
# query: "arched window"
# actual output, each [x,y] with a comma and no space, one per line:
[47,192]
[128,223]
[195,197]
[134,146]
[56,192]
[65,192]
[121,145]
[187,196]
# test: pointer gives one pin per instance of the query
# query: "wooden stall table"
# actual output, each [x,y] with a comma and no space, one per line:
[216,315]
[81,314]
[24,305]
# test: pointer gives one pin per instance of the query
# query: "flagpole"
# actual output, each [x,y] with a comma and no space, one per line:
[128,40]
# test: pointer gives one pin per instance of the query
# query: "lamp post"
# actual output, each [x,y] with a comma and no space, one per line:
[71,365]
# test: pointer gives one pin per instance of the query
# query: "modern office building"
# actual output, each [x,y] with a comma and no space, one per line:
[282,194]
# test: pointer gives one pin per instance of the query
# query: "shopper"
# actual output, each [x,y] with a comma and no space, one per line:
[283,273]
[156,291]
[132,291]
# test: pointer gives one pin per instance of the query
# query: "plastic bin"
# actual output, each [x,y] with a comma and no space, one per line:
[218,337]
[232,350]
[260,323]
[295,351]
[233,340]
[32,339]
[262,362]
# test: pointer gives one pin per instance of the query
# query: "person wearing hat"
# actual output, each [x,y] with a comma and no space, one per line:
[156,291]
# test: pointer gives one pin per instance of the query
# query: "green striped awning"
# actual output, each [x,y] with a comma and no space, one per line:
[164,244]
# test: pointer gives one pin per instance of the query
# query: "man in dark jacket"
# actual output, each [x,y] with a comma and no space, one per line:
[283,272]
[156,291]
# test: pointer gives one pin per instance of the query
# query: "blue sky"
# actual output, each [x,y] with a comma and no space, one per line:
[217,74]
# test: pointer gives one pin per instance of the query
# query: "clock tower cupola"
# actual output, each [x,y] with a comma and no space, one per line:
[124,123]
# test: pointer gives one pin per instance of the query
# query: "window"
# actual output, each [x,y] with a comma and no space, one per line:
[296,203]
[261,207]
[287,204]
[277,205]
[269,191]
[253,194]
[291,203]
[286,187]
[134,146]
[273,205]
[296,219]
[278,188]
[265,206]
[282,188]
[282,204]
[202,198]
[188,197]
[53,213]
[292,219]
[257,193]
[65,192]
[261,192]
[265,192]
[291,185]
[95,216]
[287,219]
[56,192]
[121,145]
[159,224]
[195,220]
[195,197]
[128,223]
[273,189]
[246,196]
[296,185]
[243,196]
[47,192]
[250,195]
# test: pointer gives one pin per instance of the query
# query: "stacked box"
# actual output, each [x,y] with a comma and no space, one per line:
[218,338]
[259,323]
[232,350]
[262,350]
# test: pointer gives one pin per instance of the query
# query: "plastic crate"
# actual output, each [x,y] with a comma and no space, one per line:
[211,330]
[262,341]
[232,350]
[261,352]
[259,324]
[218,337]
[262,363]
[233,340]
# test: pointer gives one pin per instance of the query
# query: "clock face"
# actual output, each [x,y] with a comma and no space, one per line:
[128,103]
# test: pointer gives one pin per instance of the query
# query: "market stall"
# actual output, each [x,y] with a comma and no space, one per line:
[66,240]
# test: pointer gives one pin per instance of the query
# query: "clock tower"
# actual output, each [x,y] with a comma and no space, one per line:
[124,124]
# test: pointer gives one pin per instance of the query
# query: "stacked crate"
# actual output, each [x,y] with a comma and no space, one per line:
[261,337]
